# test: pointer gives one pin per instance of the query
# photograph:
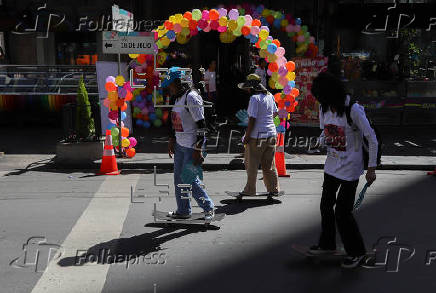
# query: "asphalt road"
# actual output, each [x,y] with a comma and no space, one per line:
[80,216]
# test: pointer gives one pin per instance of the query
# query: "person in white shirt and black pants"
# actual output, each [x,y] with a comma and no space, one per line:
[343,167]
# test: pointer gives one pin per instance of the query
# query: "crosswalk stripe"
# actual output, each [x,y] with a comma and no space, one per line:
[102,221]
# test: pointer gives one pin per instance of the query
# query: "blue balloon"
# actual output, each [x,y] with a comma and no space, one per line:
[263,21]
[139,122]
[280,129]
[277,23]
[298,21]
[171,34]
[260,8]
[138,99]
[123,115]
[271,48]
[291,83]
[149,98]
[110,125]
[152,116]
[146,124]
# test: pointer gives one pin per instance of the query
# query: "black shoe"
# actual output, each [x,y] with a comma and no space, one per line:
[316,250]
[175,215]
[275,193]
[351,262]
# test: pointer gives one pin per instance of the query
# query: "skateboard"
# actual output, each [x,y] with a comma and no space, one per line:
[196,218]
[338,255]
[269,197]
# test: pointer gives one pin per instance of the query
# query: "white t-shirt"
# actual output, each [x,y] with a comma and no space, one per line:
[184,121]
[262,107]
[344,145]
[210,79]
[262,73]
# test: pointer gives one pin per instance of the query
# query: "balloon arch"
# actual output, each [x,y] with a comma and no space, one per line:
[246,20]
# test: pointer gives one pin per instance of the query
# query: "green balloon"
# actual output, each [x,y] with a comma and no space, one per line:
[276,121]
[115,141]
[157,123]
[158,113]
[115,131]
[304,28]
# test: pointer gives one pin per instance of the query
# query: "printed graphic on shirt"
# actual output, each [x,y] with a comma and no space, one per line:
[176,120]
[335,137]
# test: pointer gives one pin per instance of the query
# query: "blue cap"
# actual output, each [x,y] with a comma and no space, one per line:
[174,73]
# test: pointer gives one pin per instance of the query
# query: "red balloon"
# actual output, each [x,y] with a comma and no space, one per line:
[273,67]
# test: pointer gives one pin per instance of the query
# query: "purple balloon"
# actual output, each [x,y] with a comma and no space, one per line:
[110,78]
[282,71]
[122,92]
[287,90]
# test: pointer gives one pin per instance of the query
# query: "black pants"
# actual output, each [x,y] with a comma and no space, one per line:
[342,215]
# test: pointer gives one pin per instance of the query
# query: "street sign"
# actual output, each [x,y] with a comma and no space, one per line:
[131,43]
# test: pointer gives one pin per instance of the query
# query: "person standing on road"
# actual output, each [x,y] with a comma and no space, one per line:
[343,167]
[260,137]
[210,80]
[261,71]
[187,137]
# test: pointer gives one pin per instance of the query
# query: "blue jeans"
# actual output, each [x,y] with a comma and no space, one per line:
[182,156]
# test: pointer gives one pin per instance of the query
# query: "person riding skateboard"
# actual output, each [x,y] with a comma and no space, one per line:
[343,167]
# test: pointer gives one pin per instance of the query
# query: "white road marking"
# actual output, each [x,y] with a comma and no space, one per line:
[102,221]
[411,143]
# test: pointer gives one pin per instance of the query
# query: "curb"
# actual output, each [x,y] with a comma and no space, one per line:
[221,167]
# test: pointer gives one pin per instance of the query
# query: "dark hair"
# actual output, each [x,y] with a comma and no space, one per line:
[330,92]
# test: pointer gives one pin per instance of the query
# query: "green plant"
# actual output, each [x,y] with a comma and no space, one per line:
[85,127]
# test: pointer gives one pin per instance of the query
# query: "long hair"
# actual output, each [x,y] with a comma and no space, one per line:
[330,92]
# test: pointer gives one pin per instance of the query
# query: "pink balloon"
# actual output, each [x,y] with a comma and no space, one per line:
[106,102]
[222,29]
[280,52]
[248,20]
[133,142]
[297,28]
[270,38]
[255,30]
[283,80]
[300,39]
[202,24]
[269,72]
[207,29]
[110,78]
[312,40]
[289,28]
[205,14]
[222,12]
[214,24]
[144,111]
[177,28]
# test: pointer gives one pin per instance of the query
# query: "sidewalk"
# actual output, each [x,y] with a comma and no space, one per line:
[213,162]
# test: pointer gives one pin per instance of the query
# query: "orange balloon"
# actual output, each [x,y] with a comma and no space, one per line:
[129,96]
[277,97]
[256,22]
[131,152]
[277,42]
[295,92]
[214,14]
[257,44]
[192,24]
[110,86]
[164,116]
[124,107]
[141,58]
[290,65]
[281,104]
[245,30]
[187,15]
[168,25]
[125,131]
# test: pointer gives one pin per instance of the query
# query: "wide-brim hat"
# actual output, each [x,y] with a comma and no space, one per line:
[253,81]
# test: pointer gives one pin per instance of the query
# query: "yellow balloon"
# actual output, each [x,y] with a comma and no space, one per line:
[263,34]
[181,39]
[275,76]
[232,25]
[178,18]
[125,143]
[272,83]
[284,22]
[290,75]
[184,22]
[262,53]
[172,18]
[223,21]
[165,41]
[265,12]
[119,80]
[112,96]
[272,57]
[133,56]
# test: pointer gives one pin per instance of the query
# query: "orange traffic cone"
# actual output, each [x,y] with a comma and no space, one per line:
[108,163]
[280,156]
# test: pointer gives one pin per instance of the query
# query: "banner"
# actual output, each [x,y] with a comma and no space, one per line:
[307,111]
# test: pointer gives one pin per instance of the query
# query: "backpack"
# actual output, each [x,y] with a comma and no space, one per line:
[365,146]
[209,114]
